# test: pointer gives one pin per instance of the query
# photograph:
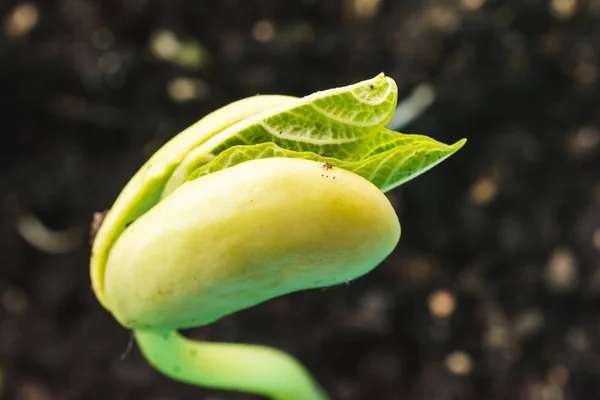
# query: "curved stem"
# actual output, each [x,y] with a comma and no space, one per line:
[253,369]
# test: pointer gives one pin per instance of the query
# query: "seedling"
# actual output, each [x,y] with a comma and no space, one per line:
[266,196]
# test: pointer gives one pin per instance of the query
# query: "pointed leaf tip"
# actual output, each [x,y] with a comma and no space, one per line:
[459,144]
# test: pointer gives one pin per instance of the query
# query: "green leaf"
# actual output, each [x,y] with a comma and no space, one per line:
[343,126]
[385,169]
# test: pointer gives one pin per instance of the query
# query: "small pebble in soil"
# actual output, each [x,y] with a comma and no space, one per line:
[562,273]
[264,31]
[484,191]
[23,18]
[459,363]
[472,5]
[182,89]
[596,239]
[563,9]
[441,304]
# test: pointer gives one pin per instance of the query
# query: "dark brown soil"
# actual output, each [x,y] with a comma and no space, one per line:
[494,290]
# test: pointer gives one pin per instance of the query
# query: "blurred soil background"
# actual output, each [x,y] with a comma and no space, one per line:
[494,290]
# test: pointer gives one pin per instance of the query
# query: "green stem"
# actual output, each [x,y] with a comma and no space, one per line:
[246,368]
